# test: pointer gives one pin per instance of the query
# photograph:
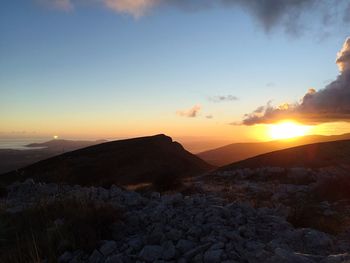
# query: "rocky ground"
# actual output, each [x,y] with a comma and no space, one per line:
[236,216]
[286,190]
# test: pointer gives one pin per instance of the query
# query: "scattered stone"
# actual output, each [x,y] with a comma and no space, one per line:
[135,243]
[108,247]
[282,255]
[193,252]
[169,250]
[213,256]
[114,259]
[174,234]
[185,245]
[65,257]
[96,257]
[150,253]
[196,228]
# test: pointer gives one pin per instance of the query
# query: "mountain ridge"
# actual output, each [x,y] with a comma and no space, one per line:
[317,155]
[129,161]
[235,152]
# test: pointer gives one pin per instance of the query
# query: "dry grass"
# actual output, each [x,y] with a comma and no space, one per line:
[166,182]
[309,215]
[46,231]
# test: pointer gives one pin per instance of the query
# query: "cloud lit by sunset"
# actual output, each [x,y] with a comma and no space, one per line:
[331,104]
[135,7]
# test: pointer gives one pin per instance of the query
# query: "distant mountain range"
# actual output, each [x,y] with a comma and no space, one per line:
[64,145]
[14,159]
[130,161]
[141,159]
[325,154]
[239,151]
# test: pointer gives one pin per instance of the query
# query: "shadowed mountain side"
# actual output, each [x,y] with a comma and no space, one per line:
[130,161]
[316,155]
[241,151]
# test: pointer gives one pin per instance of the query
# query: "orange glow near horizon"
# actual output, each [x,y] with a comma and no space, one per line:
[287,130]
[209,134]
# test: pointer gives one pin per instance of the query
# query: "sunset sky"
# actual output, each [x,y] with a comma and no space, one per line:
[122,68]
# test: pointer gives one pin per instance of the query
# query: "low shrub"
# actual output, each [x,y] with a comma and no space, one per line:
[333,188]
[166,182]
[3,190]
[308,214]
[47,230]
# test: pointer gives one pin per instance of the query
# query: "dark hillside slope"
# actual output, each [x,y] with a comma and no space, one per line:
[316,155]
[240,151]
[130,161]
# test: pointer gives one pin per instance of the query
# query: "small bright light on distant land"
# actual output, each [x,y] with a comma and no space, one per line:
[288,129]
[55,137]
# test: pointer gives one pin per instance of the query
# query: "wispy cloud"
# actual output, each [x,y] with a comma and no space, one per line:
[190,113]
[222,98]
[326,105]
[64,5]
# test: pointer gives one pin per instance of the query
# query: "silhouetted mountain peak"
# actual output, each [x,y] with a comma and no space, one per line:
[129,161]
[162,137]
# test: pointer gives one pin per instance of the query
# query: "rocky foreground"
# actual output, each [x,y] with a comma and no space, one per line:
[177,228]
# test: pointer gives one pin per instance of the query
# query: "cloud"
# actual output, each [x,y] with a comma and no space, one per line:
[64,5]
[346,16]
[269,13]
[191,113]
[136,8]
[209,116]
[330,104]
[223,98]
[273,12]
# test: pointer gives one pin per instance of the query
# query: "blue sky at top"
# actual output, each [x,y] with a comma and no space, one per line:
[92,61]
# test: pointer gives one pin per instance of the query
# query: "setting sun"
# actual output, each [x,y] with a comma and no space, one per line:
[286,130]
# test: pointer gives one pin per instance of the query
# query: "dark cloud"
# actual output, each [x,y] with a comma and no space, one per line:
[326,105]
[273,12]
[209,116]
[346,17]
[223,98]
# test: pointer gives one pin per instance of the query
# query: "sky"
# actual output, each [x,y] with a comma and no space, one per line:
[216,70]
